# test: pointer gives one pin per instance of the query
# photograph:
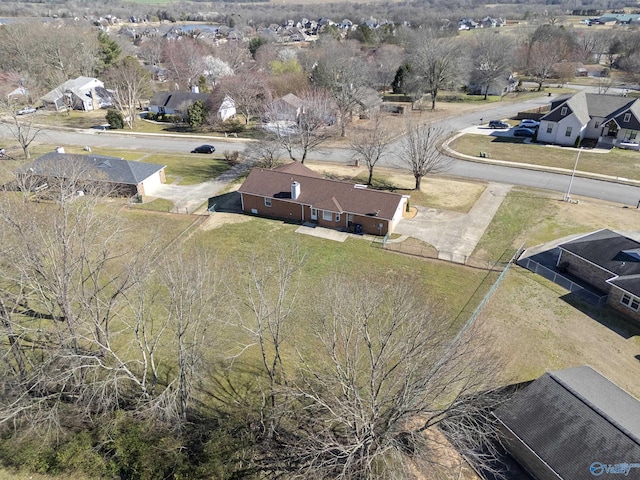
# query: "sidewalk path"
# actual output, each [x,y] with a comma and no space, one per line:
[455,235]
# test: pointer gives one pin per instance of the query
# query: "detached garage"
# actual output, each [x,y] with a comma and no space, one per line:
[127,178]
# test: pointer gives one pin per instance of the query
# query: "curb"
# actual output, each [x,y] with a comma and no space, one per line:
[447,150]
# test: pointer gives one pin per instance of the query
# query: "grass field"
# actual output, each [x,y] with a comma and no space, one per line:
[618,163]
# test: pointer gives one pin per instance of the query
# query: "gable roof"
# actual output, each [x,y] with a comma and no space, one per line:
[318,192]
[177,100]
[78,86]
[113,169]
[588,105]
[572,418]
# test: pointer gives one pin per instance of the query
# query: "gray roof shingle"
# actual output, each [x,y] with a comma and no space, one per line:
[93,167]
[575,417]
[606,249]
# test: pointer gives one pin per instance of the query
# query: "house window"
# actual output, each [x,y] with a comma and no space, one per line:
[627,117]
[267,202]
[633,135]
[568,132]
[549,128]
[563,111]
[632,302]
[337,217]
[596,125]
[327,215]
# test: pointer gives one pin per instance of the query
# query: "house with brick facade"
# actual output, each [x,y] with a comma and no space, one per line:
[608,262]
[295,193]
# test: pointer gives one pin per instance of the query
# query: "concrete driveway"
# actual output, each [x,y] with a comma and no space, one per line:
[455,235]
[188,198]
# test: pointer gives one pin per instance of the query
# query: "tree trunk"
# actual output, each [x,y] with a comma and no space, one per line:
[418,180]
[370,175]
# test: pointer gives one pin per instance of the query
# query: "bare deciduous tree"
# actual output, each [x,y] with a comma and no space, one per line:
[265,152]
[387,370]
[194,298]
[418,150]
[130,82]
[183,60]
[249,91]
[272,286]
[435,60]
[340,69]
[493,59]
[372,144]
[66,275]
[311,128]
[23,128]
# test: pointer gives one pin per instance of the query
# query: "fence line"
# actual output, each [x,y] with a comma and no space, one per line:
[564,282]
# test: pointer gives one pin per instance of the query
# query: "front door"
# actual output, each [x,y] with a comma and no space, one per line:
[314,214]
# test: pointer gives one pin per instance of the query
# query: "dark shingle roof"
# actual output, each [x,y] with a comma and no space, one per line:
[177,100]
[93,167]
[606,249]
[321,193]
[575,417]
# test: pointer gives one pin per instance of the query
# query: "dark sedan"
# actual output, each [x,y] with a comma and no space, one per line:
[204,149]
[524,132]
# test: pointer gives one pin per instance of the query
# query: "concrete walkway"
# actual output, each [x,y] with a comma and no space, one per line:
[455,235]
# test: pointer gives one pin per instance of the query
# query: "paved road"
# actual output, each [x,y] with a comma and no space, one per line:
[552,181]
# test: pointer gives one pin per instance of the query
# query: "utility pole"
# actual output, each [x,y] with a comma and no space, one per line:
[567,197]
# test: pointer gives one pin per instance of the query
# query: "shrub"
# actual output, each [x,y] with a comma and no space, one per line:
[577,142]
[115,119]
[233,125]
[232,157]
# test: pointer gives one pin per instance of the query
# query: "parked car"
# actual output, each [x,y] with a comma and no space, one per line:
[204,149]
[524,132]
[498,124]
[528,123]
[26,111]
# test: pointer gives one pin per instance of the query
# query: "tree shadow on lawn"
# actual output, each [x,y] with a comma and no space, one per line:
[506,139]
[605,316]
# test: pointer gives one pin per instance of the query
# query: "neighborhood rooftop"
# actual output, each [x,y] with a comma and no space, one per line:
[321,193]
[609,250]
[117,170]
[563,422]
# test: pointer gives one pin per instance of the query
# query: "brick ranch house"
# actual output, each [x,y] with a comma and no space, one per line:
[296,193]
[608,262]
[126,178]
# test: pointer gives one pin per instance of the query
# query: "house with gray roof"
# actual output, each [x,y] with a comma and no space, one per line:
[609,263]
[573,424]
[178,103]
[295,193]
[125,177]
[608,119]
[82,93]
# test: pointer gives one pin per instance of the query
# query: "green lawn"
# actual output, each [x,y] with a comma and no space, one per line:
[618,163]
